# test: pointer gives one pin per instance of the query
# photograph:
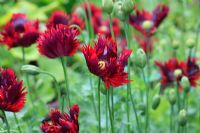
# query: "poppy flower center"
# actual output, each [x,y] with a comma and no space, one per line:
[147,24]
[102,65]
[103,29]
[19,25]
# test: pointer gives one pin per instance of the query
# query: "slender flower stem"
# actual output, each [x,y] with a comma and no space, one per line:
[171,119]
[111,27]
[16,120]
[128,85]
[109,109]
[179,105]
[197,39]
[112,104]
[99,105]
[90,19]
[178,98]
[113,37]
[93,98]
[106,112]
[136,116]
[66,79]
[57,88]
[147,102]
[26,78]
[6,121]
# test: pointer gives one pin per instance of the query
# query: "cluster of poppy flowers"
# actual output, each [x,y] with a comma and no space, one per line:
[103,60]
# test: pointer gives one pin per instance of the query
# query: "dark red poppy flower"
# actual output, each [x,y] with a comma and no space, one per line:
[62,122]
[103,61]
[12,95]
[58,42]
[192,71]
[147,22]
[19,31]
[104,27]
[189,69]
[60,17]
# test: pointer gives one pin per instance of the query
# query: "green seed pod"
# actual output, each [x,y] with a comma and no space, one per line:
[177,73]
[118,12]
[175,44]
[107,6]
[140,58]
[147,24]
[156,102]
[127,6]
[185,83]
[31,69]
[142,108]
[190,43]
[172,96]
[182,117]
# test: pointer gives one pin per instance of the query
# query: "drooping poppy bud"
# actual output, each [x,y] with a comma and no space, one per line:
[107,6]
[118,12]
[140,58]
[182,118]
[190,43]
[156,102]
[175,45]
[127,6]
[185,83]
[31,69]
[172,96]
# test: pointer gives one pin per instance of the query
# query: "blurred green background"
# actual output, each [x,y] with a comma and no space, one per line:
[181,25]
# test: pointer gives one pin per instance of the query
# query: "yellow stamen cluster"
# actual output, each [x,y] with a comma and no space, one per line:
[102,65]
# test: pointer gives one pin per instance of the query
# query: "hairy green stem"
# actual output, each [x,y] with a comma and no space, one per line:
[135,113]
[6,121]
[171,119]
[66,80]
[110,113]
[16,120]
[128,85]
[111,27]
[26,78]
[106,112]
[58,89]
[147,102]
[99,105]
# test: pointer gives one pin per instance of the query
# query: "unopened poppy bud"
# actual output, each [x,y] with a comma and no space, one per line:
[147,24]
[140,58]
[156,102]
[127,6]
[80,11]
[31,69]
[172,96]
[175,44]
[118,12]
[190,43]
[177,73]
[107,6]
[182,118]
[185,83]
